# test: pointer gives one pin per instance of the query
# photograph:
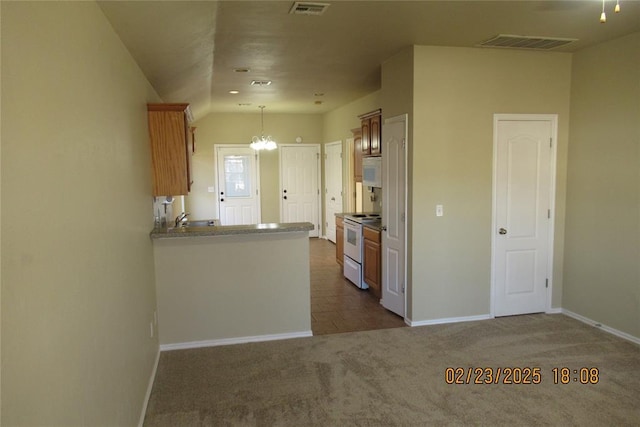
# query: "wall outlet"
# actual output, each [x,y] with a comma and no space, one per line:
[439,210]
[211,189]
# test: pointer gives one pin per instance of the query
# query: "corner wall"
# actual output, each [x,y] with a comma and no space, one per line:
[456,93]
[78,290]
[602,261]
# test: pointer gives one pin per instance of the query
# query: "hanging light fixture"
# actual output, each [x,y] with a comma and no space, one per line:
[262,142]
[603,15]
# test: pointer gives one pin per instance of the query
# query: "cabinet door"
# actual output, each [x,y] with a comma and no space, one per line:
[371,266]
[374,135]
[339,241]
[169,153]
[366,135]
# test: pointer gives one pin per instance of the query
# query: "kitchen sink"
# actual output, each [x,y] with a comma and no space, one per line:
[201,223]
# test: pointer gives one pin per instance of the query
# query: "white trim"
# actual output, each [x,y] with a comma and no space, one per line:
[553,118]
[231,341]
[318,167]
[404,118]
[598,325]
[342,190]
[556,310]
[152,379]
[448,320]
[348,184]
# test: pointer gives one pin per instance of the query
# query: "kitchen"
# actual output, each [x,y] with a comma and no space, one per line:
[363,265]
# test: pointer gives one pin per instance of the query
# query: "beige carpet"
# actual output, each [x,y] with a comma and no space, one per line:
[397,377]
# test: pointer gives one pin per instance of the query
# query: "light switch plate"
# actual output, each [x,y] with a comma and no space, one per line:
[211,189]
[439,210]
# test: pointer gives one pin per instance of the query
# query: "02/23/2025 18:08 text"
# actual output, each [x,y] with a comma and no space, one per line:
[517,375]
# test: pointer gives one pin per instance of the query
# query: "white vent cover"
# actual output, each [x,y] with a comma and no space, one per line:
[526,42]
[308,8]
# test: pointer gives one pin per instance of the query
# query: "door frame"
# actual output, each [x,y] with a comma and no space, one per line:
[318,167]
[217,181]
[407,217]
[553,118]
[342,191]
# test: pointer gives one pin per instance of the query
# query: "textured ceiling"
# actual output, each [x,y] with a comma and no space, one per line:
[189,49]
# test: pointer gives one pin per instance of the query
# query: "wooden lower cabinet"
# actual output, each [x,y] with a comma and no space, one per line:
[372,262]
[340,241]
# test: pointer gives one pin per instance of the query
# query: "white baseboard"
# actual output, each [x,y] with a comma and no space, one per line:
[231,341]
[599,325]
[149,388]
[556,310]
[447,320]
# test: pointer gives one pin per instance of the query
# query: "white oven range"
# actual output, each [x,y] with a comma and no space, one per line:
[353,246]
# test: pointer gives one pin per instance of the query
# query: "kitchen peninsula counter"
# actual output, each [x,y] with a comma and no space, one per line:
[229,284]
[230,230]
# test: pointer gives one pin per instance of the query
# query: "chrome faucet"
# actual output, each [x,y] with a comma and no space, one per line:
[181,218]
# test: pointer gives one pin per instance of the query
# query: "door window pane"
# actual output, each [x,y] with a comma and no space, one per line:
[237,176]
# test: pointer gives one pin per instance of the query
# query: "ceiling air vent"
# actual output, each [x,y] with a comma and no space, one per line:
[526,42]
[308,8]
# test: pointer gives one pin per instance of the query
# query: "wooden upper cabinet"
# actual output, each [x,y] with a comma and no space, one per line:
[365,133]
[375,137]
[171,142]
[371,133]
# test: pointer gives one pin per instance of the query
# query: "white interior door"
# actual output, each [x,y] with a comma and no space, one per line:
[300,185]
[237,185]
[523,194]
[394,210]
[333,186]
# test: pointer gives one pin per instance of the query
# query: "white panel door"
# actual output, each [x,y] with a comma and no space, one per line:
[237,179]
[522,192]
[333,186]
[300,185]
[394,133]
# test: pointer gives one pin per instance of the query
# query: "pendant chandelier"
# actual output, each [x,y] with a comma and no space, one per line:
[603,15]
[262,142]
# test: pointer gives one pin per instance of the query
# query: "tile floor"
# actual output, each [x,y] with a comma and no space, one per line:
[336,304]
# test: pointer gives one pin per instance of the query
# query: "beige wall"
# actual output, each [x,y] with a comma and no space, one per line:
[77,271]
[456,93]
[228,128]
[213,288]
[602,261]
[397,98]
[337,126]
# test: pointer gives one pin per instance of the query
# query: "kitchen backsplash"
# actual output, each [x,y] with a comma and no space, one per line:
[163,211]
[372,201]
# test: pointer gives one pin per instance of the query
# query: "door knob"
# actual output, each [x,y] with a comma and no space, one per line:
[384,228]
[285,197]
[502,231]
[333,199]
[222,200]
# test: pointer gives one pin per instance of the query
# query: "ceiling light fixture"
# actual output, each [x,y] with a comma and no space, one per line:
[234,92]
[603,15]
[262,142]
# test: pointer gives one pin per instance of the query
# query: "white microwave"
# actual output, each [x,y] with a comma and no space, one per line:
[372,172]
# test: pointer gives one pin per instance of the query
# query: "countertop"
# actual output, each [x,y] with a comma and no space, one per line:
[230,230]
